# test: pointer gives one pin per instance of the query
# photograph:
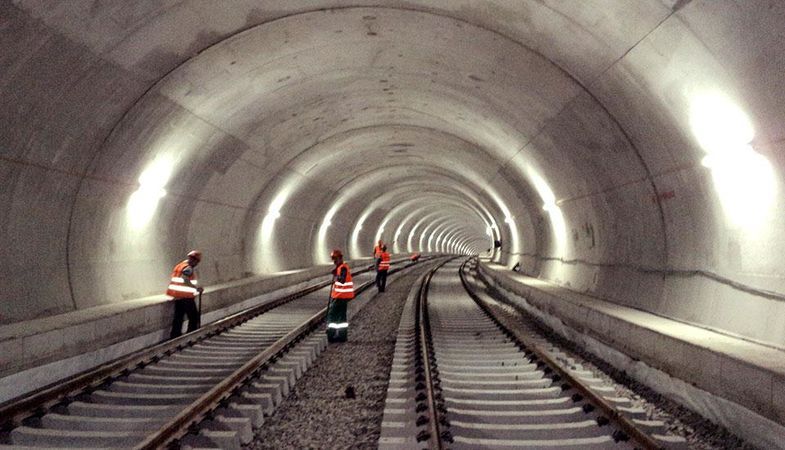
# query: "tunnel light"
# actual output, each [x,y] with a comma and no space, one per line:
[745,183]
[744,179]
[719,124]
[508,220]
[144,201]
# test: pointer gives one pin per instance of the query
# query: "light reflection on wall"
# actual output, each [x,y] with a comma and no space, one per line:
[322,249]
[423,234]
[454,243]
[380,232]
[744,179]
[400,247]
[397,235]
[443,236]
[144,201]
[437,243]
[515,247]
[432,241]
[412,233]
[558,226]
[265,252]
[447,242]
[354,244]
[421,243]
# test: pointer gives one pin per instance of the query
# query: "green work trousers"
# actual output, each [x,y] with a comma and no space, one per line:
[337,324]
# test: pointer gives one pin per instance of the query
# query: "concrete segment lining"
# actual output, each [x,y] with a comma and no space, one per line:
[566,131]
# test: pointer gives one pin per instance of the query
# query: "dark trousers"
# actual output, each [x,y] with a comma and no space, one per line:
[184,307]
[381,280]
[337,324]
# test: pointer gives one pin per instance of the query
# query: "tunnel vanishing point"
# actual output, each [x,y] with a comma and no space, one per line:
[631,153]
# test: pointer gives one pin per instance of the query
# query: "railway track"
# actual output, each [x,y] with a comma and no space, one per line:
[462,378]
[206,389]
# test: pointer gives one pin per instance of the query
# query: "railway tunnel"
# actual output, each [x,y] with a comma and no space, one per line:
[625,158]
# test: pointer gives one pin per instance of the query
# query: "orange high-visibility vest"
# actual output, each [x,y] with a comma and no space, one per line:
[377,250]
[345,290]
[384,264]
[177,287]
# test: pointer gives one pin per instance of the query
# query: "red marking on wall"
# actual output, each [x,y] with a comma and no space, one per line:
[663,196]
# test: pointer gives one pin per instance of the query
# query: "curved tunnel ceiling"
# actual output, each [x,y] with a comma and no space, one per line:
[595,140]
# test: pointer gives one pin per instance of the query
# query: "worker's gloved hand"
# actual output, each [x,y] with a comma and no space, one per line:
[200,289]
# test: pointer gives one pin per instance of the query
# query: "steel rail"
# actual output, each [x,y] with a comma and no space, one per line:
[14,411]
[623,423]
[422,325]
[200,408]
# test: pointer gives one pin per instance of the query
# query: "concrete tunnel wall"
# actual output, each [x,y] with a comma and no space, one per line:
[604,143]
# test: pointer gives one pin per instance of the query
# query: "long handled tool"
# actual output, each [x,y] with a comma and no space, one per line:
[199,311]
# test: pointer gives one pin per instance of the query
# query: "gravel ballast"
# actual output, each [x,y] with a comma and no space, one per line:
[339,402]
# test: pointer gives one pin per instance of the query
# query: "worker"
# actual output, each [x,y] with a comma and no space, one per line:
[377,250]
[415,257]
[341,291]
[382,266]
[183,287]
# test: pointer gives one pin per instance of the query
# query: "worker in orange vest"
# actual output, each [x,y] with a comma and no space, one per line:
[377,250]
[382,266]
[415,257]
[341,291]
[183,287]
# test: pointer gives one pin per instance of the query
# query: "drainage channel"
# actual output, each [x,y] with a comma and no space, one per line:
[462,379]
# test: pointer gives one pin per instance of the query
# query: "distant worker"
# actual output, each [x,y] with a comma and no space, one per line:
[415,257]
[341,292]
[377,250]
[382,266]
[183,288]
